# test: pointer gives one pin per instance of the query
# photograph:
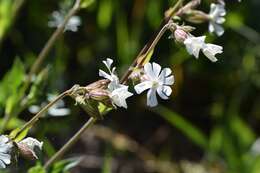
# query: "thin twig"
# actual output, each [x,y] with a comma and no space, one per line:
[70,143]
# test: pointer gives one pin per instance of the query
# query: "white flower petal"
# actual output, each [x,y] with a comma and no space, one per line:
[108,62]
[139,88]
[169,80]
[120,95]
[210,50]
[105,75]
[211,27]
[194,44]
[219,30]
[156,69]
[3,139]
[5,149]
[151,98]
[148,70]
[6,158]
[166,72]
[2,164]
[160,91]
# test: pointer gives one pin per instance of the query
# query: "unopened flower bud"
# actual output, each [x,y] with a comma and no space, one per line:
[196,16]
[99,94]
[29,147]
[180,35]
[101,84]
[136,75]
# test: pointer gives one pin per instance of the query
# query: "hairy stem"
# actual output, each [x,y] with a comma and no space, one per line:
[70,143]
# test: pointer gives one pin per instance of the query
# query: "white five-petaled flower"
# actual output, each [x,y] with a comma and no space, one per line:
[58,18]
[118,92]
[216,18]
[156,80]
[5,151]
[195,44]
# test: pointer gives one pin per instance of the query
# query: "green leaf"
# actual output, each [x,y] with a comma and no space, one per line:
[12,81]
[64,166]
[37,169]
[183,125]
[216,139]
[245,135]
[17,135]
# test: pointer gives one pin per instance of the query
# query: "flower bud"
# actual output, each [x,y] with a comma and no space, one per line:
[180,35]
[29,147]
[196,16]
[102,84]
[99,94]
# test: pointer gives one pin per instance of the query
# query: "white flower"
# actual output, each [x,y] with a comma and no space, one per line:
[156,81]
[195,44]
[118,92]
[5,151]
[114,80]
[58,109]
[119,96]
[216,17]
[58,18]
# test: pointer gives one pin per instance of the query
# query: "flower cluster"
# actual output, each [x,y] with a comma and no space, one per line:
[196,44]
[152,78]
[117,92]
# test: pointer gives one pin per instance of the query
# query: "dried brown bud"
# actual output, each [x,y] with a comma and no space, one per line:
[29,147]
[99,94]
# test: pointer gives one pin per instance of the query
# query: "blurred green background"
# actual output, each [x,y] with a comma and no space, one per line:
[209,125]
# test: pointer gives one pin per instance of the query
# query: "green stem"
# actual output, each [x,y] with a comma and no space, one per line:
[70,143]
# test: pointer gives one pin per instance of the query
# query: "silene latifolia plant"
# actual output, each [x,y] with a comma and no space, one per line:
[111,91]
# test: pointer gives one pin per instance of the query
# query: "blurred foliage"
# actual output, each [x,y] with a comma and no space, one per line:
[211,122]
